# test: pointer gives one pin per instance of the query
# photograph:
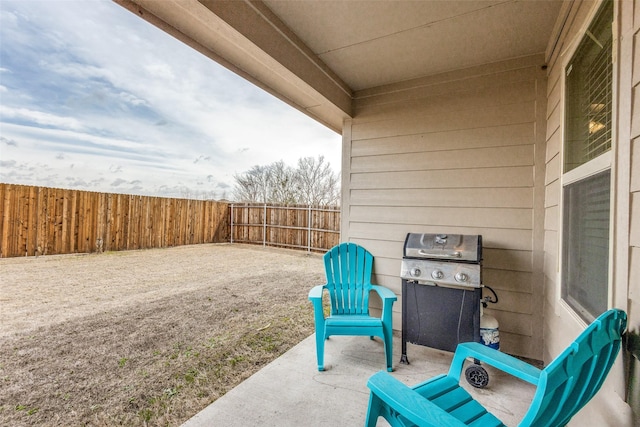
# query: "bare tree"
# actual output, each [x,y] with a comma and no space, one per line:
[282,184]
[252,186]
[317,184]
[312,183]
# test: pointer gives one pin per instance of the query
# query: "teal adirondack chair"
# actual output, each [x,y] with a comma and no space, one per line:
[348,269]
[563,387]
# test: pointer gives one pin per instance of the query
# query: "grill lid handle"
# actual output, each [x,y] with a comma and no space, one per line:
[455,254]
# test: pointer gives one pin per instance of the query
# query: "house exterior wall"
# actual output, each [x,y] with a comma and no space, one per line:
[561,325]
[462,152]
[632,44]
[631,64]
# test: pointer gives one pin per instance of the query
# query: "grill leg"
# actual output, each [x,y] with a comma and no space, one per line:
[404,359]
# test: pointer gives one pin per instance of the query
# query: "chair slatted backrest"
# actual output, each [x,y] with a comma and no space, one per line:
[576,375]
[348,269]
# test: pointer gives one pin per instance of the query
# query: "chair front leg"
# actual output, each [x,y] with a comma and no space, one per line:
[318,313]
[388,345]
[320,335]
[374,411]
[387,329]
[320,349]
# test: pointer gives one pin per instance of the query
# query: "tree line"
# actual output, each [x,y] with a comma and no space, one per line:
[312,182]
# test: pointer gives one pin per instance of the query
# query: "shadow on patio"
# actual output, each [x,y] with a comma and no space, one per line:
[291,392]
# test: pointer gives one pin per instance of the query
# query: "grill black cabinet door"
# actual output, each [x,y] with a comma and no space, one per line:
[439,317]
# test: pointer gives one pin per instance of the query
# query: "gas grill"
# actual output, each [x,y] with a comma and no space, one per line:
[441,290]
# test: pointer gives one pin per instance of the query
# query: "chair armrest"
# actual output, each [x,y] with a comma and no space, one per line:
[409,403]
[495,358]
[385,293]
[315,296]
[316,292]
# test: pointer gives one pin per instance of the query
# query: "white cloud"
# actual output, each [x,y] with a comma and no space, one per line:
[118,96]
[160,70]
[39,118]
[132,99]
[70,70]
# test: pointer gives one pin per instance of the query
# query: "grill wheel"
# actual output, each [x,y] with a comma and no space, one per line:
[477,376]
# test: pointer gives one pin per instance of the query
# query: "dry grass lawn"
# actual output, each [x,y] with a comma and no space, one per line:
[144,337]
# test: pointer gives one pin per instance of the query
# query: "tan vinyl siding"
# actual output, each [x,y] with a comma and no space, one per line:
[560,326]
[634,234]
[553,171]
[457,153]
[634,230]
[452,178]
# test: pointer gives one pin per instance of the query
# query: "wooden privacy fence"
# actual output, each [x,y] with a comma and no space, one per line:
[47,221]
[300,227]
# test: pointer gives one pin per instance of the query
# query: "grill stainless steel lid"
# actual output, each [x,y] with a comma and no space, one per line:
[443,259]
[454,247]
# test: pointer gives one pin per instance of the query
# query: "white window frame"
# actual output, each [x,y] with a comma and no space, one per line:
[605,161]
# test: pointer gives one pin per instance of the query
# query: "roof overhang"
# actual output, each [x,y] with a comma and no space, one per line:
[319,55]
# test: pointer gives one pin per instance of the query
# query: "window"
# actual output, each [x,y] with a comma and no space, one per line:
[586,250]
[587,169]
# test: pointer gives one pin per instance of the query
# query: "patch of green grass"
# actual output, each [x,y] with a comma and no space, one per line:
[146,415]
[189,352]
[235,360]
[190,376]
[171,391]
[122,362]
[217,341]
[29,411]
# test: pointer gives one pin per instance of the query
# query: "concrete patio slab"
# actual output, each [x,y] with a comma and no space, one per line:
[291,392]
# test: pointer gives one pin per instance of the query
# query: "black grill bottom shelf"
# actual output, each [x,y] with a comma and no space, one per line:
[439,317]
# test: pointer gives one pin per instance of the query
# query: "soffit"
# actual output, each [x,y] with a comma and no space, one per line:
[375,43]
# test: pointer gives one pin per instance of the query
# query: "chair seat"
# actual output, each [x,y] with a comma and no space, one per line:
[446,393]
[352,320]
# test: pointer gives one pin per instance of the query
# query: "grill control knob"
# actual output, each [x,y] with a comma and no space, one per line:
[461,277]
[415,272]
[437,274]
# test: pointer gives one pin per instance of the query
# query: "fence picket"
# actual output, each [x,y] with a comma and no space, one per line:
[45,221]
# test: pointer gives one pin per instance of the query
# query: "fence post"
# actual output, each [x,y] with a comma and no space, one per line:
[264,225]
[231,238]
[309,231]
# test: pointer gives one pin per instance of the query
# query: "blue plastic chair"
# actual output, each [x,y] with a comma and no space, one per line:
[563,387]
[348,269]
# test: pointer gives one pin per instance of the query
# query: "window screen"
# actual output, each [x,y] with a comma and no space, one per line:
[586,249]
[589,79]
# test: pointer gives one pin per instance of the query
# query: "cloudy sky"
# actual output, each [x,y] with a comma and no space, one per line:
[94,98]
